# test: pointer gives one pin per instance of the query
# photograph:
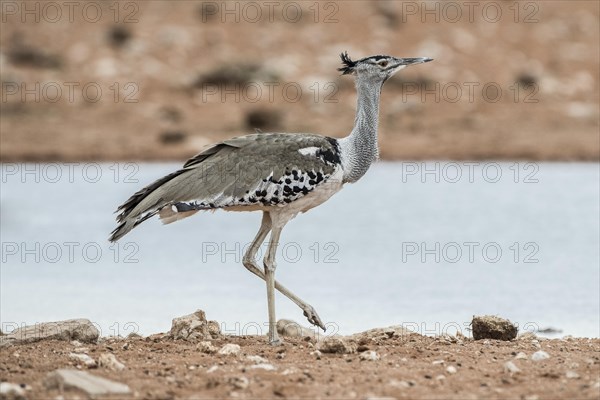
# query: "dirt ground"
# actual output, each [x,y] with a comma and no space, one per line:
[410,366]
[524,86]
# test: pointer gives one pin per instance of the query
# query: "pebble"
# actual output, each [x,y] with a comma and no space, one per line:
[266,367]
[317,354]
[521,356]
[229,348]
[206,347]
[540,355]
[440,378]
[109,361]
[212,369]
[336,345]
[438,362]
[369,355]
[257,359]
[572,375]
[509,366]
[11,390]
[84,359]
[451,369]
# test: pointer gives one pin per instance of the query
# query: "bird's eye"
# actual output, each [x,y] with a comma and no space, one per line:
[382,64]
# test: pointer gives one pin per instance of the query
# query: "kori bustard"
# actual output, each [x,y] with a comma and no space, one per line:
[280,174]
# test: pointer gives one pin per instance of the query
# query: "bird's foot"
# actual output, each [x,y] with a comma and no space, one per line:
[311,314]
[275,342]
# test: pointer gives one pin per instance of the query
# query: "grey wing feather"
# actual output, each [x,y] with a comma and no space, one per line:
[258,169]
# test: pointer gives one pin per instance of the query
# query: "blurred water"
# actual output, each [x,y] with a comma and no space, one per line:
[366,258]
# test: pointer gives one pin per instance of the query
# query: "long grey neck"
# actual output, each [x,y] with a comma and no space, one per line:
[359,149]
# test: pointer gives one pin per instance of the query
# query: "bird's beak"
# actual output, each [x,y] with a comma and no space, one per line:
[401,63]
[410,61]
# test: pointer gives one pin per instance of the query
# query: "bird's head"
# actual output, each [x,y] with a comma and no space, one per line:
[377,68]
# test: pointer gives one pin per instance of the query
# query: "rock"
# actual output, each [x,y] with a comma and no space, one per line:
[194,327]
[317,354]
[229,349]
[382,333]
[83,359]
[11,391]
[287,327]
[492,327]
[257,359]
[572,375]
[108,360]
[266,367]
[540,355]
[369,355]
[336,345]
[212,369]
[521,356]
[451,369]
[90,384]
[239,382]
[509,366]
[74,329]
[206,347]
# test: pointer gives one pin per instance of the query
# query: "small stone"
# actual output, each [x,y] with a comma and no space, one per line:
[440,378]
[369,355]
[83,359]
[532,397]
[239,382]
[451,369]
[437,362]
[521,356]
[257,359]
[109,361]
[540,355]
[336,345]
[11,391]
[509,366]
[492,327]
[229,349]
[572,375]
[266,367]
[206,347]
[289,328]
[93,385]
[317,354]
[212,369]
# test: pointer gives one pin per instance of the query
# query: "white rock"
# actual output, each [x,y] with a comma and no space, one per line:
[369,355]
[83,359]
[317,354]
[229,348]
[212,369]
[257,359]
[572,375]
[521,356]
[206,347]
[540,355]
[437,362]
[440,378]
[109,361]
[11,391]
[194,326]
[451,369]
[266,367]
[509,366]
[90,384]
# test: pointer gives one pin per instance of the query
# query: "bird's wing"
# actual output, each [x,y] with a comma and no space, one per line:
[266,168]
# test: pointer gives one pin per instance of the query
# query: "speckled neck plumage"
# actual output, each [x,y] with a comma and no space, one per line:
[359,149]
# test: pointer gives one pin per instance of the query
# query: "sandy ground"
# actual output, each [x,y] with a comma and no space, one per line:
[522,87]
[409,366]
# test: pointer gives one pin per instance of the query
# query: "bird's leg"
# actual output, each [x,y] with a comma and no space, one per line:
[270,266]
[249,262]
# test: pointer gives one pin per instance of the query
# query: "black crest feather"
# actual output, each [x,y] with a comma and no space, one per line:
[349,65]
